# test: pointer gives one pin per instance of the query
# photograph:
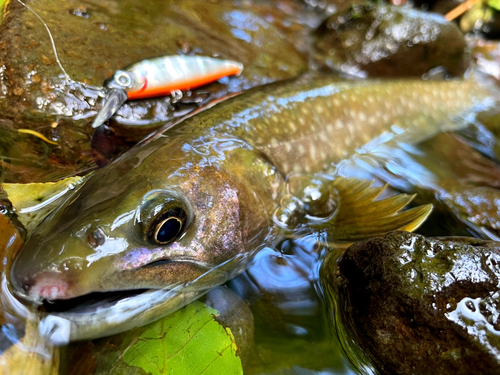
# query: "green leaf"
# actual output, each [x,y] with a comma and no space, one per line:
[189,342]
[495,4]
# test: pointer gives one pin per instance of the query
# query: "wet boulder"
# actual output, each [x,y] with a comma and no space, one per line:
[418,304]
[389,41]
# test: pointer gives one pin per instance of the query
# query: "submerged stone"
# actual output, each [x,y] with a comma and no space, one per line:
[416,304]
[389,41]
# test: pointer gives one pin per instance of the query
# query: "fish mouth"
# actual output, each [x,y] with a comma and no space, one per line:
[100,314]
[91,302]
[88,303]
[65,303]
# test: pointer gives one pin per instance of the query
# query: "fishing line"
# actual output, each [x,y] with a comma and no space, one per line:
[51,40]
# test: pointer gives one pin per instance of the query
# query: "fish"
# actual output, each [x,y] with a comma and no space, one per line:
[186,209]
[161,76]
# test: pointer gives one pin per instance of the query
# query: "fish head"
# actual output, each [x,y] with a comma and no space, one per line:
[146,221]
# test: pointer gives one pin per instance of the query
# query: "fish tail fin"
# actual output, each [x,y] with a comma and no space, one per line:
[361,215]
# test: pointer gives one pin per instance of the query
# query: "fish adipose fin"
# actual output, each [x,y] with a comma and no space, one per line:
[360,215]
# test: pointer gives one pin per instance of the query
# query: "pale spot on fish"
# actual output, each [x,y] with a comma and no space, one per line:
[302,121]
[292,126]
[312,150]
[319,109]
[288,147]
[274,142]
[301,149]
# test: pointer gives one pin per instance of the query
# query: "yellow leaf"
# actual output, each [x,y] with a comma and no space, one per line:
[33,202]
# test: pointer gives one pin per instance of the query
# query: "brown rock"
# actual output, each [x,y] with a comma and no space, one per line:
[419,305]
[390,41]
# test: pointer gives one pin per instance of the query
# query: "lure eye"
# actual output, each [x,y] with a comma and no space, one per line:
[123,79]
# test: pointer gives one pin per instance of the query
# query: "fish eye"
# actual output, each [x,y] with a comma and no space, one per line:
[168,226]
[123,79]
[162,217]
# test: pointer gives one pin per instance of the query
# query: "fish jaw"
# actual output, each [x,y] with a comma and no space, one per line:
[97,240]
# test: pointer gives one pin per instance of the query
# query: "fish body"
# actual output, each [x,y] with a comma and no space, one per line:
[161,76]
[188,208]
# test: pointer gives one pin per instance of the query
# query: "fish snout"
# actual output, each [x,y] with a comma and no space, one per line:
[49,286]
[44,286]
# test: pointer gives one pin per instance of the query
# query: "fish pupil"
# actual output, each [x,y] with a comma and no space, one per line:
[168,230]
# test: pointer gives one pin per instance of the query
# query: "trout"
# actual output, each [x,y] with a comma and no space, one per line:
[186,209]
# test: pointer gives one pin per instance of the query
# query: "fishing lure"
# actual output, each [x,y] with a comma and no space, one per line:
[153,77]
[161,76]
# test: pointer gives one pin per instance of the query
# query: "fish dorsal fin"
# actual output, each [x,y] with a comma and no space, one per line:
[360,215]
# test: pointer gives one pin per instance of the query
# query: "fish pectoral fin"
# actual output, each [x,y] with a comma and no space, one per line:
[360,215]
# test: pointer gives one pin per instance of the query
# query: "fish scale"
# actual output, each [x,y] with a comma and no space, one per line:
[305,127]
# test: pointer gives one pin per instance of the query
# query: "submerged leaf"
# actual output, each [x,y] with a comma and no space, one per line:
[361,216]
[33,202]
[189,341]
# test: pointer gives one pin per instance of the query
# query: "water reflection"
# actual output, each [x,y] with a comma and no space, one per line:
[292,331]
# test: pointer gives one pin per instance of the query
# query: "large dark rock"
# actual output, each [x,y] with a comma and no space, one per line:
[388,41]
[420,306]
